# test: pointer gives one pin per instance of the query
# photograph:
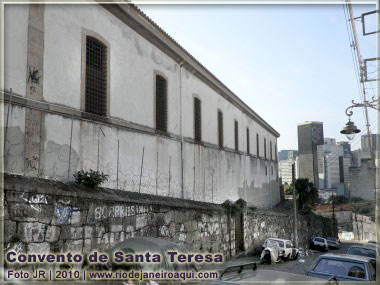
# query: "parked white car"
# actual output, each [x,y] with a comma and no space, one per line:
[286,248]
[319,243]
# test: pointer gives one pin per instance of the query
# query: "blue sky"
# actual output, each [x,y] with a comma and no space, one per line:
[289,63]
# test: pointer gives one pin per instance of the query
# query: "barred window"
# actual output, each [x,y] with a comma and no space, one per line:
[248,140]
[220,128]
[257,145]
[270,149]
[96,77]
[161,104]
[265,148]
[275,151]
[197,120]
[236,136]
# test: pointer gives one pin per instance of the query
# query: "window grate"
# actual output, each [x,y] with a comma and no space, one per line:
[248,150]
[270,149]
[236,136]
[161,104]
[275,151]
[96,77]
[220,129]
[197,120]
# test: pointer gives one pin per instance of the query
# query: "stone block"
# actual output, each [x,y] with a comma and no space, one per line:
[31,232]
[99,231]
[9,230]
[76,218]
[13,196]
[88,232]
[74,246]
[42,247]
[31,212]
[87,244]
[129,229]
[116,228]
[62,215]
[141,221]
[52,233]
[68,232]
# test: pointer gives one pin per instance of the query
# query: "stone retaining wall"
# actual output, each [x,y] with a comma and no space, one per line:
[47,216]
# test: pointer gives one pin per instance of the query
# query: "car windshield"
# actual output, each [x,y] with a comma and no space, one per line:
[280,243]
[341,268]
[319,240]
[362,251]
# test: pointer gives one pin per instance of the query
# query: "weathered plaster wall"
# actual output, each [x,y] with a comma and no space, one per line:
[15,47]
[55,145]
[133,63]
[68,145]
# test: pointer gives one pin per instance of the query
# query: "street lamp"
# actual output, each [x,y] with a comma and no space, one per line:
[350,130]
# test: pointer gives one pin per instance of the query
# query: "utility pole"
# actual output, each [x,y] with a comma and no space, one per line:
[295,206]
[333,214]
[361,67]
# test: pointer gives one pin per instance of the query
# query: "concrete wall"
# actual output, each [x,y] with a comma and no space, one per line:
[362,181]
[363,227]
[52,138]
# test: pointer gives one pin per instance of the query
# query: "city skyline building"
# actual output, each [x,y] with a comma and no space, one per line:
[287,154]
[310,135]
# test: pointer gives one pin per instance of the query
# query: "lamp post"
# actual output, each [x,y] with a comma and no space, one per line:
[350,130]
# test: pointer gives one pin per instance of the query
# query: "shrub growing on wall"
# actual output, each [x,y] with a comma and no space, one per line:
[90,178]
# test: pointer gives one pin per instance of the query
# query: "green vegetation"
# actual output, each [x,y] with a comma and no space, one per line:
[90,178]
[308,194]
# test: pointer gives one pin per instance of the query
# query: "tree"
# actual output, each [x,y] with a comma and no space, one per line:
[288,188]
[308,194]
[356,200]
[337,200]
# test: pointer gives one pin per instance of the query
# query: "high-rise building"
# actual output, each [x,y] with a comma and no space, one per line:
[310,135]
[365,144]
[285,170]
[287,154]
[346,147]
[333,166]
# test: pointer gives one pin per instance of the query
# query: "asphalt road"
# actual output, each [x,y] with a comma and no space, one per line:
[302,264]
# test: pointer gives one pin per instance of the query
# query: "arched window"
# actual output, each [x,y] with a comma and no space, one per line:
[236,135]
[96,77]
[220,128]
[161,104]
[197,120]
